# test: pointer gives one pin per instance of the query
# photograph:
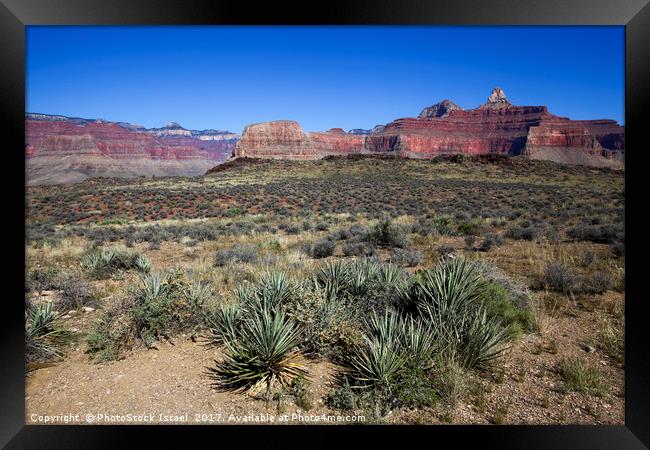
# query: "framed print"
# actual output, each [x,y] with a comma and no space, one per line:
[368,218]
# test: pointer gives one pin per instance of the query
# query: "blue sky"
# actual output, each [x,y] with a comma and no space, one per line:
[323,77]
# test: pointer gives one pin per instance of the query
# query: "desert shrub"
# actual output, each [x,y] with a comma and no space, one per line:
[559,278]
[327,325]
[497,303]
[387,234]
[41,279]
[158,307]
[405,257]
[322,226]
[528,233]
[358,249]
[293,229]
[587,258]
[469,228]
[469,241]
[618,247]
[442,225]
[611,339]
[300,392]
[596,283]
[491,240]
[580,376]
[236,254]
[607,234]
[75,292]
[323,248]
[444,249]
[518,294]
[261,355]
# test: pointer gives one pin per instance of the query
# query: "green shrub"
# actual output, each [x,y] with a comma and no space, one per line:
[387,234]
[469,228]
[498,305]
[158,307]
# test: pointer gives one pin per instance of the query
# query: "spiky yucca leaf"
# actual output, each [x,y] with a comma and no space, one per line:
[40,333]
[418,340]
[143,263]
[223,324]
[377,363]
[39,320]
[260,355]
[484,340]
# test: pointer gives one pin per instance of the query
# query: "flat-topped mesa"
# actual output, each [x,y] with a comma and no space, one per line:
[285,139]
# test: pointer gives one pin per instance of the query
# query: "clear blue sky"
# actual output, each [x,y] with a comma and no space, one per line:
[323,77]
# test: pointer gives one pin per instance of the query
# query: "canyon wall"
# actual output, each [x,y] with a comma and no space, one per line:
[60,149]
[497,126]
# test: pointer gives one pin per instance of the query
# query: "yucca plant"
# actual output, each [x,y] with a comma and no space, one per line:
[260,355]
[448,299]
[452,283]
[143,263]
[198,293]
[39,320]
[40,332]
[391,274]
[273,290]
[359,273]
[376,363]
[154,286]
[333,278]
[91,262]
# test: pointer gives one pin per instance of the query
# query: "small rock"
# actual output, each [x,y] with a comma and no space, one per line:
[588,348]
[88,309]
[65,317]
[72,312]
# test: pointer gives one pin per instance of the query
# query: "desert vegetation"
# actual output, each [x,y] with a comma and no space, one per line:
[407,291]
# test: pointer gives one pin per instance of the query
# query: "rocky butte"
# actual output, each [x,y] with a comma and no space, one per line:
[61,149]
[497,126]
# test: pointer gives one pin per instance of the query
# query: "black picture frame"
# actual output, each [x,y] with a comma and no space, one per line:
[633,14]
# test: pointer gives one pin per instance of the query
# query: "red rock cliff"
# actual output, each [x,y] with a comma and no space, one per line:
[494,127]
